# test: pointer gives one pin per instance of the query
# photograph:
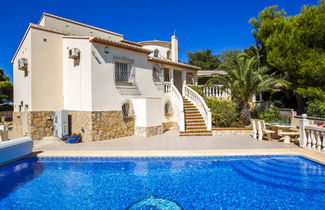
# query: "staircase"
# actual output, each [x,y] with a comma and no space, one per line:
[194,122]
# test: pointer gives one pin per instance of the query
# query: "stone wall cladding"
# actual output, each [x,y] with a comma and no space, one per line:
[110,124]
[40,124]
[169,125]
[81,124]
[148,131]
[100,125]
[18,123]
[92,126]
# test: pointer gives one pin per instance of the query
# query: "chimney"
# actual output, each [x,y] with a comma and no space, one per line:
[174,47]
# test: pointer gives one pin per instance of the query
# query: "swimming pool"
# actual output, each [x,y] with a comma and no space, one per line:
[284,182]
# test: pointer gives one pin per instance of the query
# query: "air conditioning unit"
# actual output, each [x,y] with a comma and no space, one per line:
[22,64]
[74,53]
[60,123]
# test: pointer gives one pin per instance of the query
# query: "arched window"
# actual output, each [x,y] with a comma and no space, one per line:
[168,109]
[156,53]
[156,73]
[127,110]
[169,54]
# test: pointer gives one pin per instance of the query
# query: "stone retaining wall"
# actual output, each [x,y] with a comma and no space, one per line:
[148,131]
[231,132]
[169,125]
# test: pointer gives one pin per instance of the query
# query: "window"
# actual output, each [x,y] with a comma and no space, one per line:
[156,73]
[168,108]
[156,53]
[122,72]
[168,54]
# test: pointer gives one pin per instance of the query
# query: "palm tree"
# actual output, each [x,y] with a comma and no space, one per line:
[243,81]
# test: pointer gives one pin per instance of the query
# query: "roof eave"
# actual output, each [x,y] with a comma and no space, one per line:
[120,45]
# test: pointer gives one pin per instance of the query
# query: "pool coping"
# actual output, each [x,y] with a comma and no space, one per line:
[306,153]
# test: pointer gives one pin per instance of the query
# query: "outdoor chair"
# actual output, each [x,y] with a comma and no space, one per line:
[254,128]
[261,128]
[287,136]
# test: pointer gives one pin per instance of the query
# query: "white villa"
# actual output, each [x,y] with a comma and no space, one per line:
[108,87]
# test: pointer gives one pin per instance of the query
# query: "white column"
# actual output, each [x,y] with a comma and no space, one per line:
[183,79]
[195,78]
[171,76]
[303,138]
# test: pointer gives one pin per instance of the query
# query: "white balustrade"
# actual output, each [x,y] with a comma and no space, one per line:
[312,136]
[215,91]
[199,102]
[178,100]
[167,87]
[315,137]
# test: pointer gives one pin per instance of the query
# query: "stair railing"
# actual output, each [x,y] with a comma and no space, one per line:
[199,102]
[178,100]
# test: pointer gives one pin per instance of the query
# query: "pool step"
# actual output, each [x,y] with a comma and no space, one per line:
[274,179]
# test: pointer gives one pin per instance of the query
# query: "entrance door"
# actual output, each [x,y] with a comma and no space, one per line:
[178,80]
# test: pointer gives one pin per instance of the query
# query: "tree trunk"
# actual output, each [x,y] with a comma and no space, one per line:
[245,113]
[300,104]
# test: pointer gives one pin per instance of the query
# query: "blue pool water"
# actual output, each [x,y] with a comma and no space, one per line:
[268,182]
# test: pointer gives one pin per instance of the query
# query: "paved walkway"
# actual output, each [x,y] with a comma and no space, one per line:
[170,144]
[167,141]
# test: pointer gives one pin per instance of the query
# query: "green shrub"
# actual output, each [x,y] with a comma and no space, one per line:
[270,115]
[224,113]
[316,109]
[199,90]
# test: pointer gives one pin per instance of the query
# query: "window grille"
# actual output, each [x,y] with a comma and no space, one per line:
[122,72]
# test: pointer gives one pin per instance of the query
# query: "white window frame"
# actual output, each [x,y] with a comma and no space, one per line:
[123,71]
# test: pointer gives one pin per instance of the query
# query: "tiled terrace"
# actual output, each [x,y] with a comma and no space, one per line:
[170,144]
[168,141]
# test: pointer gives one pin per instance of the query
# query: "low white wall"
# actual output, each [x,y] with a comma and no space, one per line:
[12,149]
[148,112]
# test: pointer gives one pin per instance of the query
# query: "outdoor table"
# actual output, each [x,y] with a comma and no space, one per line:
[277,128]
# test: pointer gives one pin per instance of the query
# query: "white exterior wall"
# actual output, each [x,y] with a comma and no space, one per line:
[77,79]
[46,75]
[162,50]
[22,83]
[147,112]
[105,94]
[76,29]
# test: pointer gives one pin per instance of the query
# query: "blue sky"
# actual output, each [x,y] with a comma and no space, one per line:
[215,24]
